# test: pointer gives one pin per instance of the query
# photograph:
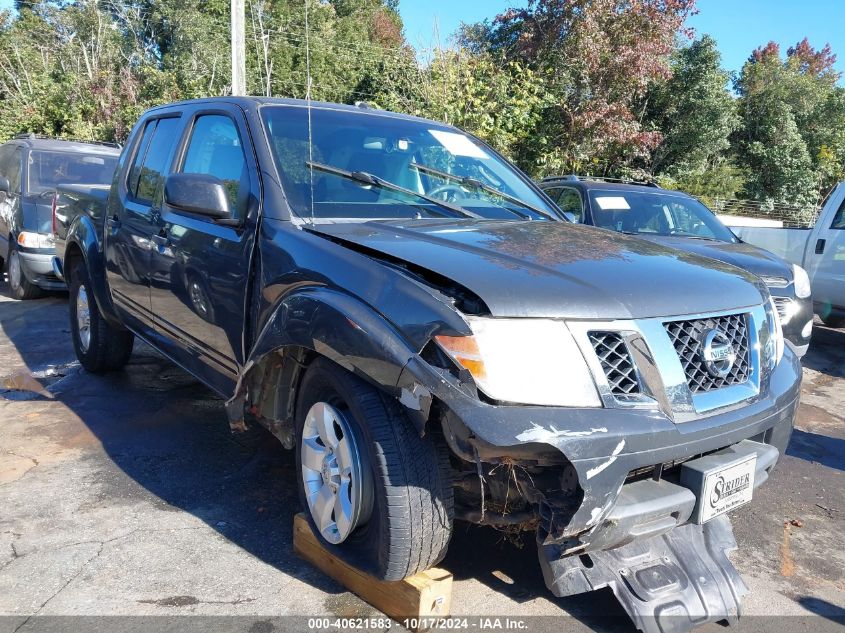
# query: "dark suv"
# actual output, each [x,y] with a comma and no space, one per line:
[410,313]
[678,220]
[30,169]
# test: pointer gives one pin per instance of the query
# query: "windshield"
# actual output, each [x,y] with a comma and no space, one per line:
[390,148]
[656,213]
[47,170]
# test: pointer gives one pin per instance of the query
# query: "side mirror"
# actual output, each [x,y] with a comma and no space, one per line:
[198,193]
[5,187]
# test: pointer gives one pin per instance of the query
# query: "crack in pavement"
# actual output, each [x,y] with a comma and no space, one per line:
[102,545]
[60,589]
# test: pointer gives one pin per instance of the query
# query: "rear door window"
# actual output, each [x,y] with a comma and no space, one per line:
[150,161]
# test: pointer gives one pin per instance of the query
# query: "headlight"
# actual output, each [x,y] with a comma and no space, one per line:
[802,282]
[526,361]
[773,345]
[28,239]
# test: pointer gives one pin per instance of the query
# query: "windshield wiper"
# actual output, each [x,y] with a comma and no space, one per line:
[477,184]
[365,178]
[696,237]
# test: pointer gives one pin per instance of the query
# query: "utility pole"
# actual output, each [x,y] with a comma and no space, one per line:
[238,48]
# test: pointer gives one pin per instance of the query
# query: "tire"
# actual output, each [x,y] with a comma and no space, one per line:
[105,348]
[405,523]
[20,287]
[833,321]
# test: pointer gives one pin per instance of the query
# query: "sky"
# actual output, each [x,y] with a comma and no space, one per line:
[738,26]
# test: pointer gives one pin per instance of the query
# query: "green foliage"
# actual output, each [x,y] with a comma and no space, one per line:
[721,180]
[793,124]
[694,112]
[601,87]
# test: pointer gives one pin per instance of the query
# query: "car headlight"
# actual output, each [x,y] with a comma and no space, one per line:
[802,282]
[773,345]
[28,239]
[525,361]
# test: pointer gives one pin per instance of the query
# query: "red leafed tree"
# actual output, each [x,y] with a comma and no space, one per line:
[598,57]
[809,60]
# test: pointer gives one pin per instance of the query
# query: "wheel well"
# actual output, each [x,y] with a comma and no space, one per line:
[273,385]
[73,254]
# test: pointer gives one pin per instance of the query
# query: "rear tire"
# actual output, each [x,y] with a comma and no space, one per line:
[833,321]
[405,523]
[99,346]
[19,286]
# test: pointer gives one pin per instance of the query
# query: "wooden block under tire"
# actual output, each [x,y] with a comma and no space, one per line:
[424,595]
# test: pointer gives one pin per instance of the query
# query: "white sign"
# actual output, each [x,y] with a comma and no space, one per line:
[612,203]
[728,488]
[458,144]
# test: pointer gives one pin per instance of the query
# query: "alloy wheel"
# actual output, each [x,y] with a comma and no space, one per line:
[339,494]
[83,318]
[14,270]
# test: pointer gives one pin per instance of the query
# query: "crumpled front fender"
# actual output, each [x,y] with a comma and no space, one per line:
[334,325]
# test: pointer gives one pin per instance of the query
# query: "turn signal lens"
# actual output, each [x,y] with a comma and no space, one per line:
[464,350]
[28,239]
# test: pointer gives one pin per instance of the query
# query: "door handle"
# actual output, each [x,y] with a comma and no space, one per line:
[820,247]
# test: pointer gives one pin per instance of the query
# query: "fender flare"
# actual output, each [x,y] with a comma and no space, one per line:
[82,234]
[332,324]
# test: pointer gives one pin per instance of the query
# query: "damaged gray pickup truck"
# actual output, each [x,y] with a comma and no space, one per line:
[414,317]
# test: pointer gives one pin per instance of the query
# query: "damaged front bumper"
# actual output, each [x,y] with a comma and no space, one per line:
[624,515]
[602,448]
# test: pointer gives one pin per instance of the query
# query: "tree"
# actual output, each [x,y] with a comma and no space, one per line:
[598,57]
[693,110]
[793,123]
[779,165]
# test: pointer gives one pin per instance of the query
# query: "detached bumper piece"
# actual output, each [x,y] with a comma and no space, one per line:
[667,584]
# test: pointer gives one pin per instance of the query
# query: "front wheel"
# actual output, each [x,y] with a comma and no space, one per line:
[377,494]
[99,346]
[20,287]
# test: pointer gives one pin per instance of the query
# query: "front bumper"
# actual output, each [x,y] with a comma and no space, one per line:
[605,445]
[37,266]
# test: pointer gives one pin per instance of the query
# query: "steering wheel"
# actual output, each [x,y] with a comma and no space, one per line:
[451,192]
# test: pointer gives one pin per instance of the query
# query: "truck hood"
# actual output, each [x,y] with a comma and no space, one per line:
[556,269]
[751,258]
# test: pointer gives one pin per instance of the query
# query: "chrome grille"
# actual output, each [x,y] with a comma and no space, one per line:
[687,338]
[616,362]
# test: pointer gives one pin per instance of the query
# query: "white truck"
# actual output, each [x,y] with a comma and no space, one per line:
[820,250]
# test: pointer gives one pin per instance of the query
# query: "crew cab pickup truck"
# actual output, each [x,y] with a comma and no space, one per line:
[416,319]
[819,249]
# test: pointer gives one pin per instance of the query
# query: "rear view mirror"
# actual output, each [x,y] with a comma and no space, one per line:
[198,193]
[5,187]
